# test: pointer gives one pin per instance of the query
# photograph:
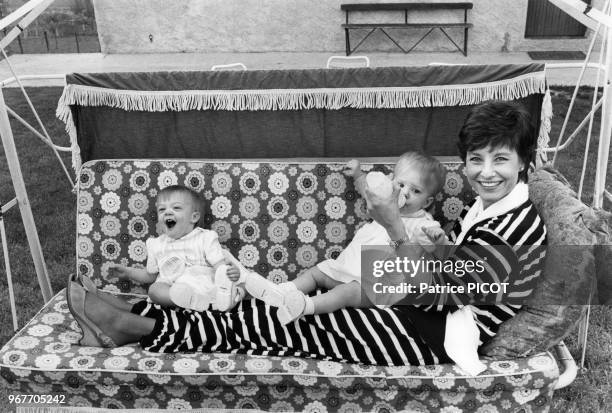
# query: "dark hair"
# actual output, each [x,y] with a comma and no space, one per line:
[434,171]
[196,201]
[499,124]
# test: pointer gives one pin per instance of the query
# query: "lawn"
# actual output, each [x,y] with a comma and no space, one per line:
[54,210]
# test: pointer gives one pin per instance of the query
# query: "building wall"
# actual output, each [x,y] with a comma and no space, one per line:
[154,26]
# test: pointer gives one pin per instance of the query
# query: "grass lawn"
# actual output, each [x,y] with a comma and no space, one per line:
[54,211]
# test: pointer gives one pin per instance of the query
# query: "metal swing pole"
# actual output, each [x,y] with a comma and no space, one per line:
[602,162]
[593,18]
[7,262]
[602,165]
[27,14]
[606,129]
[6,133]
[32,14]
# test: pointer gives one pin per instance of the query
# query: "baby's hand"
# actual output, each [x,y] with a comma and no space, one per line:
[353,168]
[240,293]
[435,234]
[233,273]
[120,271]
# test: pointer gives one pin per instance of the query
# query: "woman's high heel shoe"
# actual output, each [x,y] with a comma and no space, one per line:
[87,283]
[92,335]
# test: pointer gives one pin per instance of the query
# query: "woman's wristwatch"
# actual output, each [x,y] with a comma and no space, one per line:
[395,244]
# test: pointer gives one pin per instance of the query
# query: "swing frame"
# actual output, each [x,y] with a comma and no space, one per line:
[31,10]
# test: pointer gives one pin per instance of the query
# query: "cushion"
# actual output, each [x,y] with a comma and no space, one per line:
[44,358]
[315,211]
[559,299]
[278,218]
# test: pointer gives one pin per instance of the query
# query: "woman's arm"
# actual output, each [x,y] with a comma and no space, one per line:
[385,211]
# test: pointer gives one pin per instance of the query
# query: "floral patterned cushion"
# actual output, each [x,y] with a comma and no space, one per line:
[277,218]
[44,358]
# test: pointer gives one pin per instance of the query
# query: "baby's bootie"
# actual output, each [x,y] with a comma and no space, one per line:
[264,290]
[226,290]
[292,308]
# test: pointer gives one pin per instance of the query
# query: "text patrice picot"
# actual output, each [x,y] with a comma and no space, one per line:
[411,267]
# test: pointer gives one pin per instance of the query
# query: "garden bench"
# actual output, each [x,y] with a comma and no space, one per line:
[45,358]
[128,145]
[406,24]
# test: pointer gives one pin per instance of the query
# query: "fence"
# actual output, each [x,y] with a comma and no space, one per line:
[49,42]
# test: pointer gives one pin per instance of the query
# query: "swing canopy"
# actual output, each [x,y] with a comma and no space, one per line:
[273,114]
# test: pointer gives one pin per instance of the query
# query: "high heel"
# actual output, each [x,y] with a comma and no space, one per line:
[92,335]
[88,284]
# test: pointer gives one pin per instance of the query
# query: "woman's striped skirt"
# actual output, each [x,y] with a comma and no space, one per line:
[386,337]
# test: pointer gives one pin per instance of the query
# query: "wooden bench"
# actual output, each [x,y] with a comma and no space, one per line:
[406,7]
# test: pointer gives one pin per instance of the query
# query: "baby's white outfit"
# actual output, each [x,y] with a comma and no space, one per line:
[347,266]
[189,260]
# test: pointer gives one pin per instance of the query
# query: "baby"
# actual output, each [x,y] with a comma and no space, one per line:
[419,178]
[186,264]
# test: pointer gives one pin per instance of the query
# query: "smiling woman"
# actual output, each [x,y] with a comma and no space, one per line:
[497,145]
[493,172]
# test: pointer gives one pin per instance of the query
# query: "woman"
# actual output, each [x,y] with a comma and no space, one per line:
[497,145]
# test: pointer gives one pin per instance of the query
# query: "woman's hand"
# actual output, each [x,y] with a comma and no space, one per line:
[385,211]
[353,168]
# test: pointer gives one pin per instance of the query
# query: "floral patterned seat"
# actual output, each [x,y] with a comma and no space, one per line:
[278,219]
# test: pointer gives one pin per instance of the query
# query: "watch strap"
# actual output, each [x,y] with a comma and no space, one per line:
[395,244]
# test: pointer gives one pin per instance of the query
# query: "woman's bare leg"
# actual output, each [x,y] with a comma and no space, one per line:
[114,300]
[122,326]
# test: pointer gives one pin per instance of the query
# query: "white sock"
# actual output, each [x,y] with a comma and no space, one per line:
[309,308]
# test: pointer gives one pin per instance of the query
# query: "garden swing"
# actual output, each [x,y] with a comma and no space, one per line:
[257,141]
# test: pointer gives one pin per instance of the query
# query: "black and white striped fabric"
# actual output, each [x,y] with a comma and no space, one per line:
[367,336]
[387,337]
[518,238]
